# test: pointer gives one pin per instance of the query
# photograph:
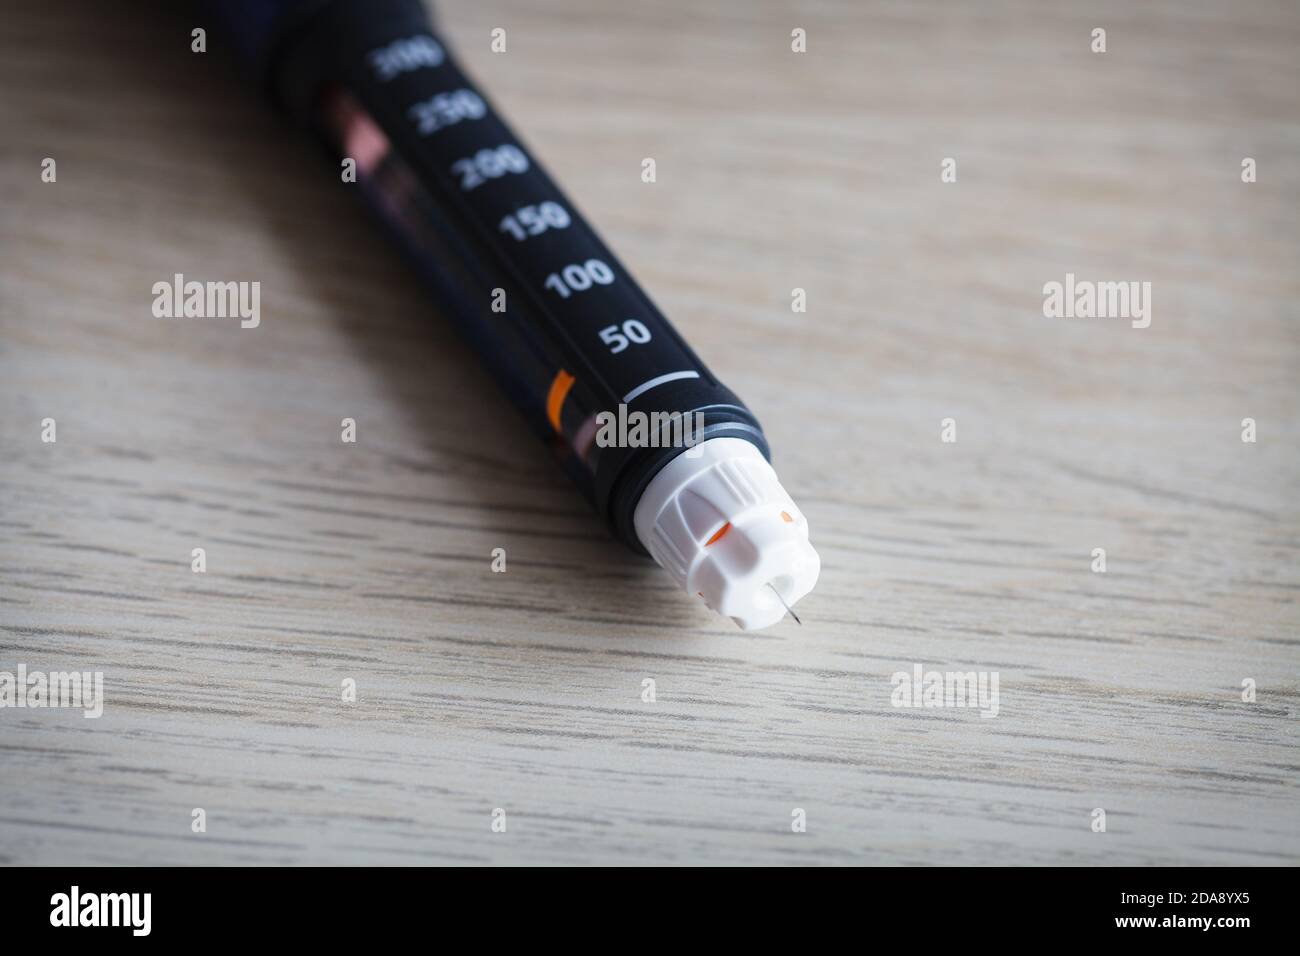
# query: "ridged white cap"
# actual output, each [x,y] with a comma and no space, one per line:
[717,519]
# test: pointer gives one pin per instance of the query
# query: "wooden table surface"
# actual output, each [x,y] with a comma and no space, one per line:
[522,691]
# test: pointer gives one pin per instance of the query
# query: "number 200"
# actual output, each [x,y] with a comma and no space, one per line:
[487,164]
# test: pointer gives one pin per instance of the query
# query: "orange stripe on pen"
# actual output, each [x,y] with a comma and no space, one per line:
[560,386]
[718,534]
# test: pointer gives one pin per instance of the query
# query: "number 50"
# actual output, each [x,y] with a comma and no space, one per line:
[617,339]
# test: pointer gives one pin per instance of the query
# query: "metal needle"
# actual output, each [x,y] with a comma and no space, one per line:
[789,610]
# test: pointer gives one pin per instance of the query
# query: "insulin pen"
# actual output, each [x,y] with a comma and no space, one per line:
[562,326]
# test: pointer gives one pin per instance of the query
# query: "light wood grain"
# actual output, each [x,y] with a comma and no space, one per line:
[523,691]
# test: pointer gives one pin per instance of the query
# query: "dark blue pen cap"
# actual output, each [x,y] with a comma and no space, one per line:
[256,29]
[249,26]
[262,33]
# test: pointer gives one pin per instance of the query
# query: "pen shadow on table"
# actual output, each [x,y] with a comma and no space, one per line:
[476,447]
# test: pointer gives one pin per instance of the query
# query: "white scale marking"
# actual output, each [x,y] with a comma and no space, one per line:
[657,380]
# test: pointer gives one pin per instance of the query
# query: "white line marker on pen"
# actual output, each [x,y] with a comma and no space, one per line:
[657,380]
